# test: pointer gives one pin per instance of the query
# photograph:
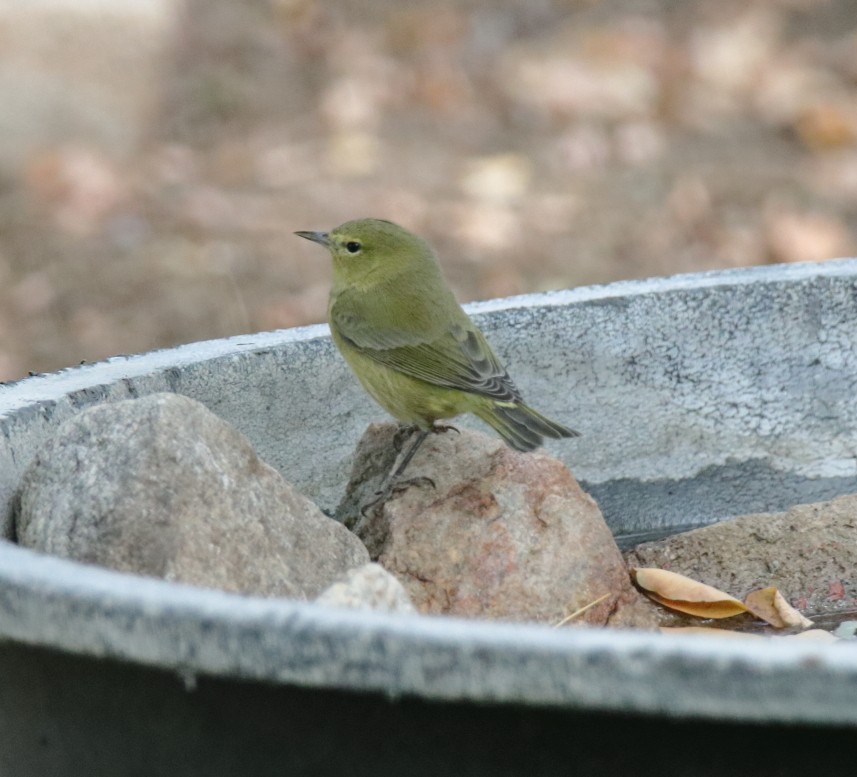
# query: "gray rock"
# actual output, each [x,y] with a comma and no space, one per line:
[501,534]
[370,587]
[808,552]
[161,486]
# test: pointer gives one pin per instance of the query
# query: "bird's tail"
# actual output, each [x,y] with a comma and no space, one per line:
[523,428]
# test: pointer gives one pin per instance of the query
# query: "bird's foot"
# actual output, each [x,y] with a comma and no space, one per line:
[420,481]
[395,487]
[394,483]
[443,428]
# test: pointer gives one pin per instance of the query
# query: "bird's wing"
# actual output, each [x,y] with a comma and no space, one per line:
[458,356]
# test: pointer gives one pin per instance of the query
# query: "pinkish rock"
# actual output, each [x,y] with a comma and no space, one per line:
[502,534]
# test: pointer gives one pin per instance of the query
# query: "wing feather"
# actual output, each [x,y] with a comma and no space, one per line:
[458,356]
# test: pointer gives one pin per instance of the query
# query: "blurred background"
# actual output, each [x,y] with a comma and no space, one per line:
[156,155]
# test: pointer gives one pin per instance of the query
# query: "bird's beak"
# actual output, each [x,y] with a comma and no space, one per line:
[322,238]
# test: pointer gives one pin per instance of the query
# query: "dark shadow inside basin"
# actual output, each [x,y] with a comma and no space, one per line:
[157,725]
[718,492]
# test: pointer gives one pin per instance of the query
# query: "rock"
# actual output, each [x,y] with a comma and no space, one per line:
[370,587]
[161,486]
[502,534]
[636,611]
[809,553]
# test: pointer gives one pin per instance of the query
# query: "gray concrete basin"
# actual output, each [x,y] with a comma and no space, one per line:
[698,397]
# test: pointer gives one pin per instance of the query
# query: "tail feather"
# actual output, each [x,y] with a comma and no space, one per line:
[523,428]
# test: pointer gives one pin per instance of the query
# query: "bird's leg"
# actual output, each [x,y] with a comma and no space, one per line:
[407,431]
[406,459]
[391,481]
[402,435]
[422,434]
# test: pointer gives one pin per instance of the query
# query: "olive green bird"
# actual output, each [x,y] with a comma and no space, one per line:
[408,341]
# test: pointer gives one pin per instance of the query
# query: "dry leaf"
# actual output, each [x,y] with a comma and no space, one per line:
[813,635]
[706,631]
[686,595]
[770,605]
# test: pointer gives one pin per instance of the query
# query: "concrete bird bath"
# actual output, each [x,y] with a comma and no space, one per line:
[698,397]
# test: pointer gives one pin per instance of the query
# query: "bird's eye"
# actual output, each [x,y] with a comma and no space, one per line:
[352,246]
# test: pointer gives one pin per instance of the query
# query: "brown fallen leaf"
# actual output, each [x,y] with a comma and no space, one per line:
[707,631]
[813,635]
[685,594]
[770,605]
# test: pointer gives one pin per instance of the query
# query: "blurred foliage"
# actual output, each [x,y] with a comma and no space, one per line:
[537,145]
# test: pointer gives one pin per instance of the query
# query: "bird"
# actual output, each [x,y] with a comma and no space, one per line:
[413,348]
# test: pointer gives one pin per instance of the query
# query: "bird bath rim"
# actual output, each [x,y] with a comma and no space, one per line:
[89,611]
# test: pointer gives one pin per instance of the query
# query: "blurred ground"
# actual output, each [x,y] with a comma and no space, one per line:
[538,145]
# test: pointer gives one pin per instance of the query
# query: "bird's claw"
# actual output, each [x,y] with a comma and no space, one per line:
[419,481]
[379,497]
[396,488]
[442,428]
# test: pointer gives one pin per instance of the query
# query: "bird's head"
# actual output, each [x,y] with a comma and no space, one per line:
[369,251]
